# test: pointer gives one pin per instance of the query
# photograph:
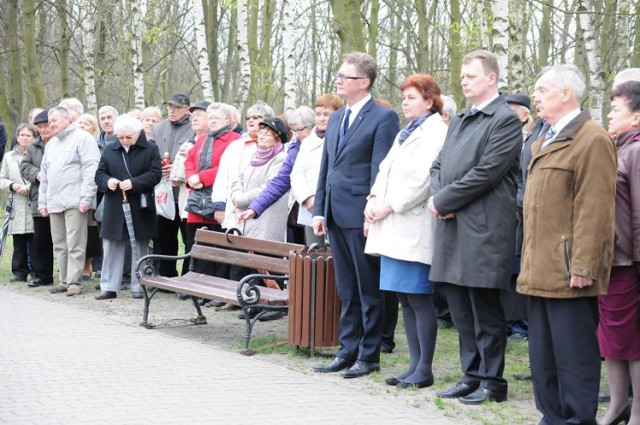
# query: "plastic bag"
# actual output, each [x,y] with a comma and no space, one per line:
[165,204]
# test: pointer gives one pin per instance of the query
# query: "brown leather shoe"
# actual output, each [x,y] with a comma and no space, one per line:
[74,290]
[106,295]
[58,289]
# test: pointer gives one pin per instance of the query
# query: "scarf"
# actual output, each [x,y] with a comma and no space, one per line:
[406,132]
[264,155]
[206,154]
[320,133]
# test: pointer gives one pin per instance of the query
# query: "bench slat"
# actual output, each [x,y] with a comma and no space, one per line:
[244,259]
[210,287]
[278,249]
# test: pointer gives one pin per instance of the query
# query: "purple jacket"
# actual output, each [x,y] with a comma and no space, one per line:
[280,184]
[627,211]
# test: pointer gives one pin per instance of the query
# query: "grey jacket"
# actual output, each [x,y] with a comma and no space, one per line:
[475,177]
[29,169]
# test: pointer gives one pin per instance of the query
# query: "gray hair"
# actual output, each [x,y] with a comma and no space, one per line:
[235,114]
[128,124]
[60,110]
[222,107]
[628,74]
[567,75]
[72,104]
[108,108]
[261,108]
[304,116]
[449,105]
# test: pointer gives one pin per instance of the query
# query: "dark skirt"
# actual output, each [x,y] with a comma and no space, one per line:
[619,328]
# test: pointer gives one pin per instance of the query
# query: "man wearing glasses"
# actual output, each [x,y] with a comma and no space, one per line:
[358,138]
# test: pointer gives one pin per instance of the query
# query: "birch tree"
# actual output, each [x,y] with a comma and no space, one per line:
[201,46]
[137,29]
[594,63]
[517,33]
[288,41]
[501,39]
[87,25]
[243,56]
[32,63]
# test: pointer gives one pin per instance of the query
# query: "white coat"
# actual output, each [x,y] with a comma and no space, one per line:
[306,170]
[21,218]
[403,182]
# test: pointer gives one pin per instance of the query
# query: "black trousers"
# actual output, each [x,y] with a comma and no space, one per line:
[206,267]
[166,243]
[565,358]
[42,252]
[390,318]
[482,331]
[22,246]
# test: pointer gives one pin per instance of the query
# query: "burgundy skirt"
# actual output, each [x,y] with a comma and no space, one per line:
[619,329]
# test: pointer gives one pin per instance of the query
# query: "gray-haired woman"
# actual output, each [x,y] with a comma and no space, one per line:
[131,165]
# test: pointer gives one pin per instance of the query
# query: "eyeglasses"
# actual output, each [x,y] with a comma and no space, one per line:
[266,132]
[342,78]
[254,117]
[298,130]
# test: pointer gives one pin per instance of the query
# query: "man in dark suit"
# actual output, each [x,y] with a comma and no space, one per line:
[474,186]
[358,138]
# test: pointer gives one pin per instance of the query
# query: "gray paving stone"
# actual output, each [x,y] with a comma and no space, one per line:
[62,365]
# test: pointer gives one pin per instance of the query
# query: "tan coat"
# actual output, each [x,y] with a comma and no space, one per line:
[403,181]
[568,212]
[21,218]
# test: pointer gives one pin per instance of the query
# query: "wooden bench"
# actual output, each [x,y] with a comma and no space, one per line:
[269,257]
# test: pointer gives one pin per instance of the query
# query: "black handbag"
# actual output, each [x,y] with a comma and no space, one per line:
[199,203]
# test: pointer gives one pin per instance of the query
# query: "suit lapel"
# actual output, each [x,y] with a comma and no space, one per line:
[354,126]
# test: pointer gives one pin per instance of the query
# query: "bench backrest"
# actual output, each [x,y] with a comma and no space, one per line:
[243,251]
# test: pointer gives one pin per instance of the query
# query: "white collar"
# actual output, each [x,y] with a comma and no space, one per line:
[562,122]
[484,104]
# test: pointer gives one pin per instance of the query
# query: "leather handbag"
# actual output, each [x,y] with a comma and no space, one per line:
[199,203]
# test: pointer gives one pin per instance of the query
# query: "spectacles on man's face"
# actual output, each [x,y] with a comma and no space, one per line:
[298,130]
[254,117]
[342,78]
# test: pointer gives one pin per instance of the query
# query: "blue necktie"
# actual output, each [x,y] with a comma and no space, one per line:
[547,138]
[345,127]
[473,111]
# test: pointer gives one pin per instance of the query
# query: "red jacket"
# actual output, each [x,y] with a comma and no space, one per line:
[207,176]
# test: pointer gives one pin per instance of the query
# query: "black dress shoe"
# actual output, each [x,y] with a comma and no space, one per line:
[360,368]
[34,283]
[137,295]
[18,278]
[459,390]
[422,384]
[253,312]
[624,416]
[183,297]
[386,348]
[481,395]
[336,365]
[392,381]
[106,295]
[271,315]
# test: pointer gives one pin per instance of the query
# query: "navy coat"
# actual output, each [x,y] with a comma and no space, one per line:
[143,160]
[346,176]
[475,177]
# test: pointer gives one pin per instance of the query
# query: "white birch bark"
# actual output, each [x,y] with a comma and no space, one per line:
[596,82]
[244,79]
[501,39]
[517,14]
[137,30]
[201,46]
[288,39]
[86,15]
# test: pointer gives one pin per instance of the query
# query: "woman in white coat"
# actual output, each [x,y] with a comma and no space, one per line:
[400,227]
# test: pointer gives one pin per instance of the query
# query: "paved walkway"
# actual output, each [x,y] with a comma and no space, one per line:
[59,365]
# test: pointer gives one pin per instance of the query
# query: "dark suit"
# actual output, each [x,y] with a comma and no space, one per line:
[346,176]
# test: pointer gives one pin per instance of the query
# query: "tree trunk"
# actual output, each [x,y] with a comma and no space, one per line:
[212,28]
[373,28]
[232,62]
[635,50]
[201,46]
[455,52]
[243,56]
[88,53]
[31,55]
[136,53]
[288,42]
[394,40]
[347,24]
[545,34]
[422,49]
[517,20]
[501,39]
[63,49]
[596,82]
[15,99]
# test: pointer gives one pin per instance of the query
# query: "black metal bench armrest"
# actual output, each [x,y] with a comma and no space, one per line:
[248,292]
[147,266]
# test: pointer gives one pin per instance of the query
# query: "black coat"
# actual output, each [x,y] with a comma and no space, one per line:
[143,160]
[475,177]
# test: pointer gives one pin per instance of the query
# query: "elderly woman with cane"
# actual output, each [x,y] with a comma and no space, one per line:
[129,167]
